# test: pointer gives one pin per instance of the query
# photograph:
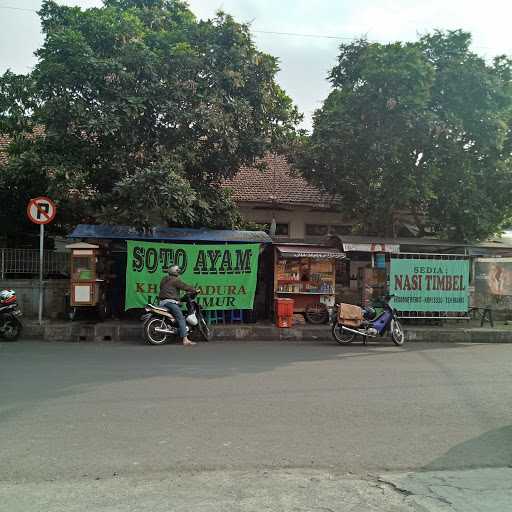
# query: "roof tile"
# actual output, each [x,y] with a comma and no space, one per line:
[4,143]
[276,183]
[5,140]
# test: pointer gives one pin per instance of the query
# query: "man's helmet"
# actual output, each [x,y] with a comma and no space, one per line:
[173,270]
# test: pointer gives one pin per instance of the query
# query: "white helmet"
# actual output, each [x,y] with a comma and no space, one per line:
[5,295]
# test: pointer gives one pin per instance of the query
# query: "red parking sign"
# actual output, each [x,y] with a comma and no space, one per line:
[41,210]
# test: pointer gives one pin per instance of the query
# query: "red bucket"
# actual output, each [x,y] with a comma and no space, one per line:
[284,307]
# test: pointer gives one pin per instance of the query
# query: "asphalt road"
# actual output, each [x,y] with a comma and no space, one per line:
[70,412]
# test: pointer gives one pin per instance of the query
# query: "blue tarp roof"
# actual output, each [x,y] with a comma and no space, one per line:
[99,232]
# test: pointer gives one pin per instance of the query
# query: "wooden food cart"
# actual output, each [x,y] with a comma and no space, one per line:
[89,280]
[307,274]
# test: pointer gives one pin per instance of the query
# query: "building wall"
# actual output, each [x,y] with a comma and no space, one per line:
[296,218]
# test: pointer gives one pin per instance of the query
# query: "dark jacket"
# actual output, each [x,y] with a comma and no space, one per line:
[170,287]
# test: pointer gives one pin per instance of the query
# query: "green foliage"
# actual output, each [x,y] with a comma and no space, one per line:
[21,179]
[422,127]
[145,111]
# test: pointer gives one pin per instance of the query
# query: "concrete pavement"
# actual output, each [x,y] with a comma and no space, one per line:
[81,418]
[209,491]
[475,490]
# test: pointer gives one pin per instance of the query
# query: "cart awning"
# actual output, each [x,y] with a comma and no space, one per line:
[308,251]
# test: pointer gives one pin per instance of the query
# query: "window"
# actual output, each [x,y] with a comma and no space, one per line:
[82,268]
[282,228]
[316,229]
[324,229]
[341,230]
[81,263]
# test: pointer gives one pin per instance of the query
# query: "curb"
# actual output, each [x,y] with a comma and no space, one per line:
[458,335]
[75,332]
[129,331]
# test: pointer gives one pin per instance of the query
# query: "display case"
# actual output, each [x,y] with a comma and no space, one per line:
[89,278]
[307,274]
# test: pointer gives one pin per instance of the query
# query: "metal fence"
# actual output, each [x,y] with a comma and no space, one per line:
[25,263]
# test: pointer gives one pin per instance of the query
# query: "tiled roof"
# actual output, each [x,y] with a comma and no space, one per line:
[276,183]
[4,142]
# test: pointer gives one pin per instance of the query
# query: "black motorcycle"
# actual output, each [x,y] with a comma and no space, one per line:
[10,313]
[160,324]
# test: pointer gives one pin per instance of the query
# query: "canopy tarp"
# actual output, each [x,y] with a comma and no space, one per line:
[107,232]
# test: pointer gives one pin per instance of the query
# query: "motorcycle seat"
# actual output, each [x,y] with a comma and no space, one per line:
[161,311]
[158,308]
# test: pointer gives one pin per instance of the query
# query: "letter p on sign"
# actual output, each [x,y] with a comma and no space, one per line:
[41,210]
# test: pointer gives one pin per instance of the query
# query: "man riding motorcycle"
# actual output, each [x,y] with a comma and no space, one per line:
[170,299]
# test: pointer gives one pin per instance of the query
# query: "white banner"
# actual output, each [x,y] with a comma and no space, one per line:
[393,248]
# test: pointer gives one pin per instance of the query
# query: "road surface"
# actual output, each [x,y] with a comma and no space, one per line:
[116,419]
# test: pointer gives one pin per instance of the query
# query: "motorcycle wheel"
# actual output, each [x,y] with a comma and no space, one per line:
[203,329]
[341,336]
[397,333]
[11,330]
[316,314]
[152,336]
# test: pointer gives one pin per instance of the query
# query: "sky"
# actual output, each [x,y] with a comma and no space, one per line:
[313,30]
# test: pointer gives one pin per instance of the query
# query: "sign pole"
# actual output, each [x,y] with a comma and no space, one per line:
[41,255]
[41,210]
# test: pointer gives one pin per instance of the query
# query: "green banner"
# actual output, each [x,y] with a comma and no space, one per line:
[430,285]
[225,275]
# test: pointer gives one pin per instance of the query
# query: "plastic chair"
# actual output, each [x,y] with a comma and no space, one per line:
[216,317]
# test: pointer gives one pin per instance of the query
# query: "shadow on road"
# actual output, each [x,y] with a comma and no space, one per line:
[31,372]
[492,449]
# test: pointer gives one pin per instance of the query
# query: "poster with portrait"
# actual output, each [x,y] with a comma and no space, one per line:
[493,282]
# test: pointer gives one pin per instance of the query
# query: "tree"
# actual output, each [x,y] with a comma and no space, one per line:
[422,127]
[470,147]
[145,111]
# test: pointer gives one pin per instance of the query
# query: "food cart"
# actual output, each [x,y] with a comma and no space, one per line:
[90,277]
[307,274]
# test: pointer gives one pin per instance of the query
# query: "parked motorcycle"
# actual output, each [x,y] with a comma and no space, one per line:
[160,324]
[351,321]
[10,313]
